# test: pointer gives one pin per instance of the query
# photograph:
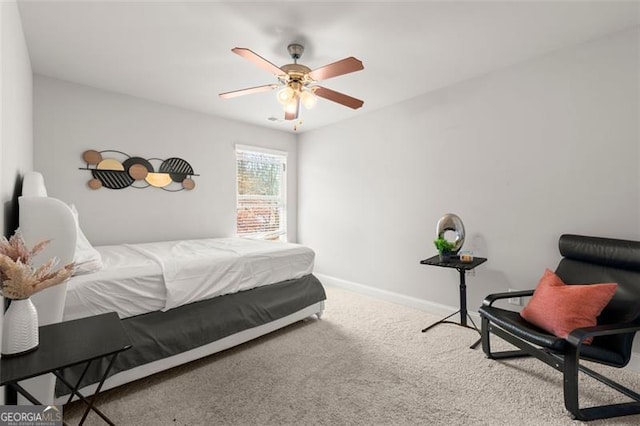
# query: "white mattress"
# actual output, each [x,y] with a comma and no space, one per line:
[141,278]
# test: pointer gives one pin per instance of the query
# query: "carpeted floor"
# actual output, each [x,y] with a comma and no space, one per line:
[364,363]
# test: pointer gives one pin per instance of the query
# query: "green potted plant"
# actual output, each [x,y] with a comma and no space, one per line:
[445,248]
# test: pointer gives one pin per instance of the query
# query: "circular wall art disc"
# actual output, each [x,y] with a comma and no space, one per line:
[92,157]
[129,162]
[94,184]
[110,164]
[188,184]
[138,171]
[159,180]
[177,168]
[113,179]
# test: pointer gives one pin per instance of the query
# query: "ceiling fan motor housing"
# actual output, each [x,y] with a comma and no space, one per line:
[296,72]
[295,51]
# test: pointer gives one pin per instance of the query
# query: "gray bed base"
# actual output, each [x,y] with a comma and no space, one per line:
[159,335]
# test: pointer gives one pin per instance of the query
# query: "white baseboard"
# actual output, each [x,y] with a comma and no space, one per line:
[426,306]
[390,296]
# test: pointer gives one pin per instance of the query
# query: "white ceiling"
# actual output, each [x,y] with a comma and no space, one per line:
[179,52]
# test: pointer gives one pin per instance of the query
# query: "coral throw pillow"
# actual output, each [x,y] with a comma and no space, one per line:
[560,308]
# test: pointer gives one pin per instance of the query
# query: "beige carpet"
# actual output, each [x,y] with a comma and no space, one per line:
[364,363]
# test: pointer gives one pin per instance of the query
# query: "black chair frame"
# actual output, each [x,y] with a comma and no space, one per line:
[568,362]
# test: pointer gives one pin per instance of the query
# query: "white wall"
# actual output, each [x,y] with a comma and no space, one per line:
[70,118]
[2,14]
[16,112]
[522,155]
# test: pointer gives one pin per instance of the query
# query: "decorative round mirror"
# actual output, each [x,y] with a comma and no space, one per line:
[451,223]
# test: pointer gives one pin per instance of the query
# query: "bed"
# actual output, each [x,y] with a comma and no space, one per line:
[177,300]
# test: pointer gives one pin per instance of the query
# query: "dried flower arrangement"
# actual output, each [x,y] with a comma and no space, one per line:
[18,278]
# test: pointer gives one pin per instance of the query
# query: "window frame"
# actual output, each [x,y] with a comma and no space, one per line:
[282,233]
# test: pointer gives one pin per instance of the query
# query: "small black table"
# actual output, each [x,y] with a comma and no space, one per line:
[462,268]
[66,344]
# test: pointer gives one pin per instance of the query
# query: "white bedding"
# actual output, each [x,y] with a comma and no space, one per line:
[141,278]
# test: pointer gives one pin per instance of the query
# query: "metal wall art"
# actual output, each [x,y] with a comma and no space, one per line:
[117,170]
[451,222]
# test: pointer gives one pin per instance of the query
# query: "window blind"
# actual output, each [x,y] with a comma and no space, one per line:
[261,207]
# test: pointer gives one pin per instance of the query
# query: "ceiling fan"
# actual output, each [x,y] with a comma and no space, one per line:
[297,81]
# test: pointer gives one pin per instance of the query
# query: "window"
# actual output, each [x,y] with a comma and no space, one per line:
[261,193]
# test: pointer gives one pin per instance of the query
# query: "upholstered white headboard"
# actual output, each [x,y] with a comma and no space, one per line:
[33,185]
[45,218]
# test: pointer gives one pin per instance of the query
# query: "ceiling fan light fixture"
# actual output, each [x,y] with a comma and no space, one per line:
[308,99]
[291,106]
[286,95]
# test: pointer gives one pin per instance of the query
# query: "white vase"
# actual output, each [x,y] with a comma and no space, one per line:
[20,328]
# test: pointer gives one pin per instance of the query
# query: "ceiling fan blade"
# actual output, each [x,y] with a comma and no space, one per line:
[338,97]
[344,66]
[258,60]
[248,91]
[293,114]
